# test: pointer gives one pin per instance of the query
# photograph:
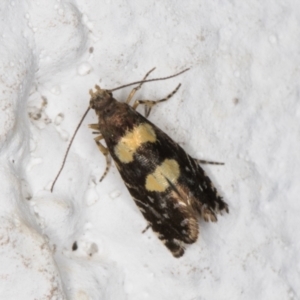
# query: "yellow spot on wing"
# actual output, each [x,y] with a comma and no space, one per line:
[159,180]
[132,140]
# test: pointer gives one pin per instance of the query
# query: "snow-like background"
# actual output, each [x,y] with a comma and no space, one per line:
[238,104]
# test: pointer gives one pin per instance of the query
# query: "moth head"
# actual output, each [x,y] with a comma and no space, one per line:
[99,98]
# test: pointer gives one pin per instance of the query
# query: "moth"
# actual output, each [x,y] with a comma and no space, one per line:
[169,187]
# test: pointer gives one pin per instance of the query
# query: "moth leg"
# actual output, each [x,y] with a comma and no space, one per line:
[94,126]
[147,227]
[201,161]
[105,152]
[132,93]
[149,103]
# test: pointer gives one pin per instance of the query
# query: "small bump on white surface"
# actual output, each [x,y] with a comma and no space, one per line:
[84,69]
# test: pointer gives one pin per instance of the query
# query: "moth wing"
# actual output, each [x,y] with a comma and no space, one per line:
[174,222]
[207,195]
[172,212]
[203,195]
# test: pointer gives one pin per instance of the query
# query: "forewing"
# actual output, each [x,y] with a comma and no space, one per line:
[173,221]
[178,190]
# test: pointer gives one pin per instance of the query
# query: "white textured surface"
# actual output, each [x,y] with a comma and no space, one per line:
[238,104]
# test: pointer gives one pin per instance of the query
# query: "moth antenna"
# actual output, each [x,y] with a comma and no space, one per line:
[68,149]
[148,80]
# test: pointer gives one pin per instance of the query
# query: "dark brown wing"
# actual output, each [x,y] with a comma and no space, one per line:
[174,222]
[181,190]
[172,213]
